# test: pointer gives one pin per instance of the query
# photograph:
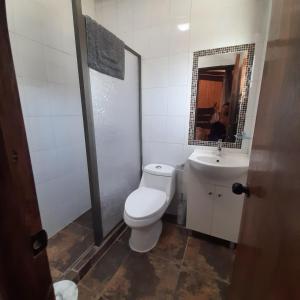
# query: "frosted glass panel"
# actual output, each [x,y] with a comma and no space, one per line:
[116,117]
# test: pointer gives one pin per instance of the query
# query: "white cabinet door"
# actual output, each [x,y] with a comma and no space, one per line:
[200,207]
[227,213]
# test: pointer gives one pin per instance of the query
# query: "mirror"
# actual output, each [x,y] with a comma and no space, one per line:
[219,95]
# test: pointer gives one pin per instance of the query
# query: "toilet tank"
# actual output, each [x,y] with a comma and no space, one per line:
[160,177]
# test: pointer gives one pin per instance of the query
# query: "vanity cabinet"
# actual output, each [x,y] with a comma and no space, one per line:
[200,208]
[226,215]
[212,208]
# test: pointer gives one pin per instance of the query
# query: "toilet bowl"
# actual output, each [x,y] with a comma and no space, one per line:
[145,206]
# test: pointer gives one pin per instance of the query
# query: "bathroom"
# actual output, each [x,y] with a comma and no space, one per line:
[140,176]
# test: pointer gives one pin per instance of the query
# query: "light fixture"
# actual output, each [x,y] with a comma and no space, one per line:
[183,26]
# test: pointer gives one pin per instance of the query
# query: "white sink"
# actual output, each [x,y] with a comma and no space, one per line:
[224,167]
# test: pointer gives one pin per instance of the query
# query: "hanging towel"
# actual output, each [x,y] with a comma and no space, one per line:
[105,52]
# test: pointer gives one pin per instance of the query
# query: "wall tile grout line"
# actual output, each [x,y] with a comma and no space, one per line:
[43,44]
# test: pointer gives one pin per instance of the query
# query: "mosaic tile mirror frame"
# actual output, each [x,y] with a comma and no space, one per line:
[243,97]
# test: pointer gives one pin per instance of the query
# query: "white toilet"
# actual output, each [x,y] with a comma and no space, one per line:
[145,206]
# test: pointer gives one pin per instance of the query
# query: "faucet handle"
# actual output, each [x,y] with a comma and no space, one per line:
[219,145]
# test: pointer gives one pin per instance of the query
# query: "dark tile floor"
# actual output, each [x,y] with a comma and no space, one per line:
[179,267]
[65,247]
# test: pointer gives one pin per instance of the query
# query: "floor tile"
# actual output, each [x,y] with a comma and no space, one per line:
[55,274]
[179,267]
[105,268]
[124,237]
[143,276]
[223,288]
[85,294]
[86,219]
[172,243]
[202,255]
[198,286]
[67,245]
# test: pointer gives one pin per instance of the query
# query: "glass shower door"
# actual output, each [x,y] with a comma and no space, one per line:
[117,132]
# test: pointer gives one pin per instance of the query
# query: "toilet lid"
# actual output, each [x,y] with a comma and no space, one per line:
[145,202]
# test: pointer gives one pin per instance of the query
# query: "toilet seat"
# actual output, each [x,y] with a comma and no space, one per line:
[145,203]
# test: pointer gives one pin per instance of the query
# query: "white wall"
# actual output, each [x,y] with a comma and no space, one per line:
[43,45]
[89,8]
[150,27]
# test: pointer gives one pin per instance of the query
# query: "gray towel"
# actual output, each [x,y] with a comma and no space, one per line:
[105,52]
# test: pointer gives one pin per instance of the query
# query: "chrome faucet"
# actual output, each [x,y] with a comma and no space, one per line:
[219,146]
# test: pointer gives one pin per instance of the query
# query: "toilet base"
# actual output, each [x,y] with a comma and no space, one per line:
[143,239]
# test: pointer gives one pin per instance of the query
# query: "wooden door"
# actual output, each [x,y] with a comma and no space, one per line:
[24,271]
[267,265]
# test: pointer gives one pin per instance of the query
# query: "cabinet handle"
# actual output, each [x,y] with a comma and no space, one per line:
[210,193]
[219,195]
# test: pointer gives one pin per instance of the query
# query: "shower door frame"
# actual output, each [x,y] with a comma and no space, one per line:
[88,118]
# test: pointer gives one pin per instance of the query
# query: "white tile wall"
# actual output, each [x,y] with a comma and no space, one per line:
[178,69]
[175,105]
[163,152]
[43,45]
[88,8]
[155,72]
[155,101]
[151,29]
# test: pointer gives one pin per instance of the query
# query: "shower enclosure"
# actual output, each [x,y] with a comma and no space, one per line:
[116,113]
[112,124]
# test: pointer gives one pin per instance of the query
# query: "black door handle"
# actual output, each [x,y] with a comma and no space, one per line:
[238,188]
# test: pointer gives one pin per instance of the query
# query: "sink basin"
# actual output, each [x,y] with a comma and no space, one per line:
[224,167]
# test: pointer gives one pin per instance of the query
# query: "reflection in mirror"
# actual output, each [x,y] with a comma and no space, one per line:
[220,82]
[220,87]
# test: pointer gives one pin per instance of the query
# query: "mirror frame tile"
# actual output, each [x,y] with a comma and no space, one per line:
[244,100]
